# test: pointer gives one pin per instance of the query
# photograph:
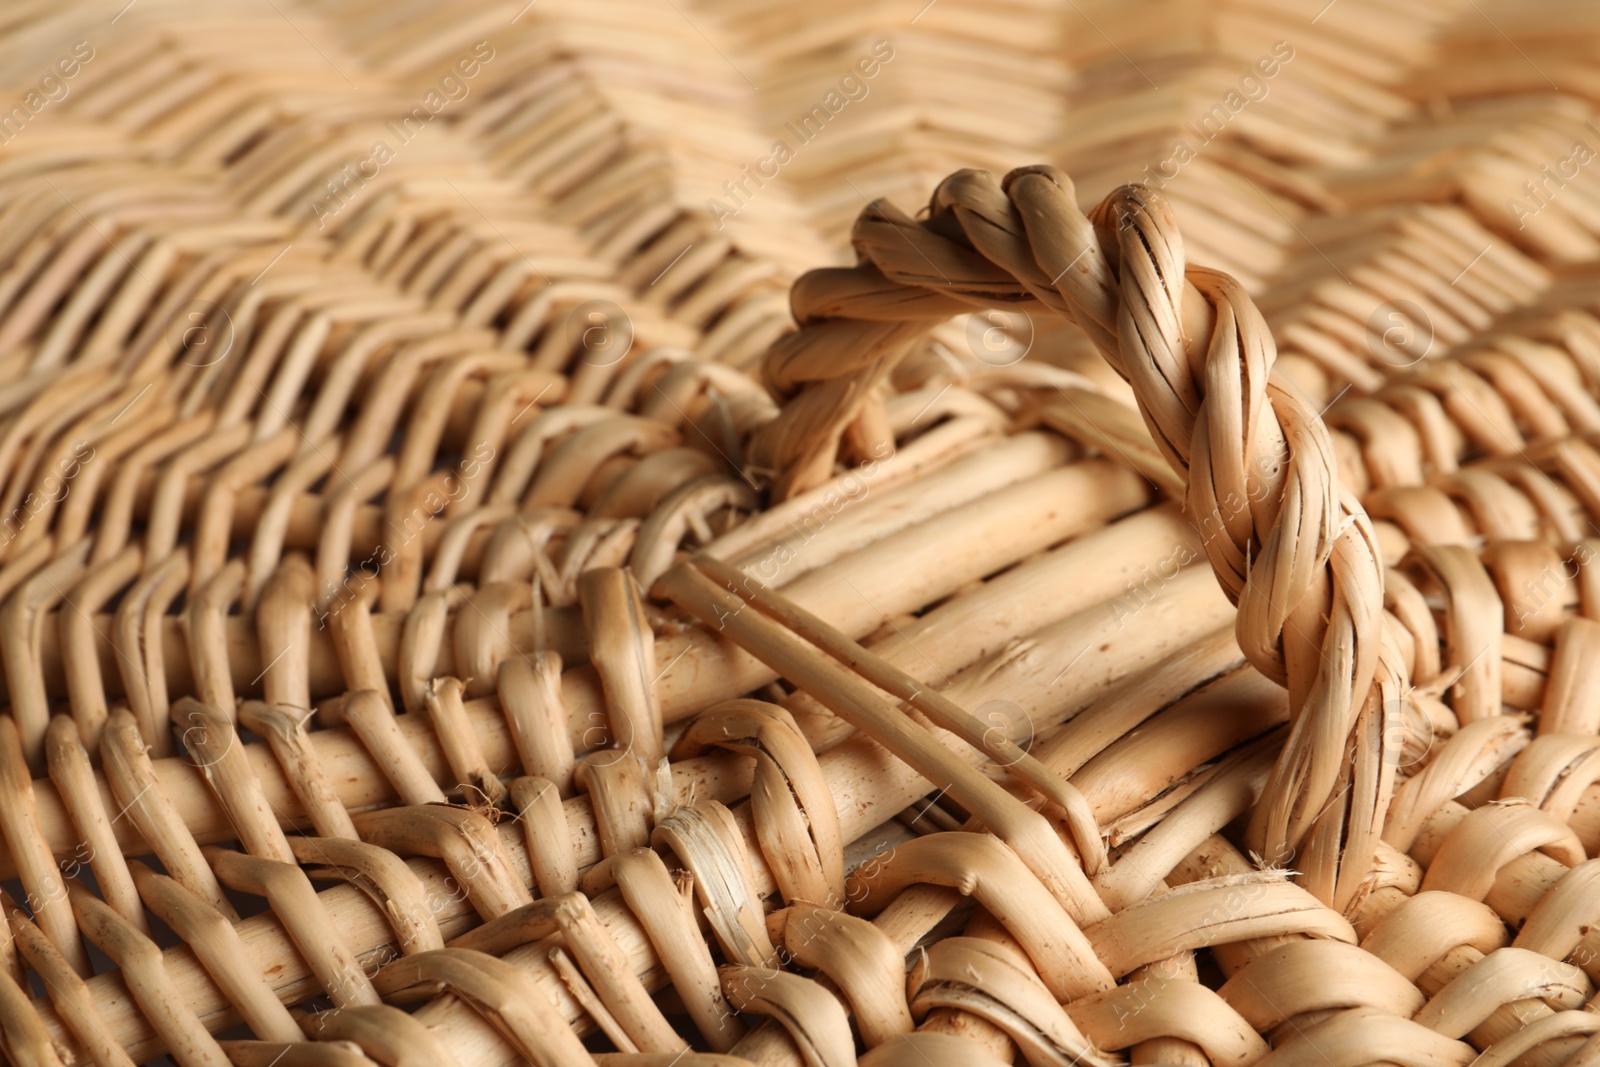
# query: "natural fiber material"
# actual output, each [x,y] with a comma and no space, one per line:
[1288,545]
[469,597]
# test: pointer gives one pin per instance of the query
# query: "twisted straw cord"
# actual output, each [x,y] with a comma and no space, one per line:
[1289,546]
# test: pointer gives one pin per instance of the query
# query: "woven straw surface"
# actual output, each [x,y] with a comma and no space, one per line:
[468,595]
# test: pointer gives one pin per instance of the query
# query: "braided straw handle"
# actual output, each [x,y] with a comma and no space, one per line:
[1293,550]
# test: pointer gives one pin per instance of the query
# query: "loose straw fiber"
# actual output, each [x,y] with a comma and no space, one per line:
[518,544]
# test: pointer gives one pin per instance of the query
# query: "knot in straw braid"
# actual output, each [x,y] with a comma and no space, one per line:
[1294,551]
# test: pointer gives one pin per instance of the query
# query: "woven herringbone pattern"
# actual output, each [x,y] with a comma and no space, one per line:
[468,595]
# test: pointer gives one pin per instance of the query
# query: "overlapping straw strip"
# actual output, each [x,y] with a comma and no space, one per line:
[1288,544]
[414,630]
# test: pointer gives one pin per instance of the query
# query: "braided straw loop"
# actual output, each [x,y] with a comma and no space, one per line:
[1290,547]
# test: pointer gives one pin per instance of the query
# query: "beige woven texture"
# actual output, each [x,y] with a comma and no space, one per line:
[658,533]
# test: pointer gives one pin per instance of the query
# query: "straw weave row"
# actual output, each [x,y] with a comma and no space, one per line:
[426,641]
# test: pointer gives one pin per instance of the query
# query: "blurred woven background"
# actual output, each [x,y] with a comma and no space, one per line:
[628,141]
